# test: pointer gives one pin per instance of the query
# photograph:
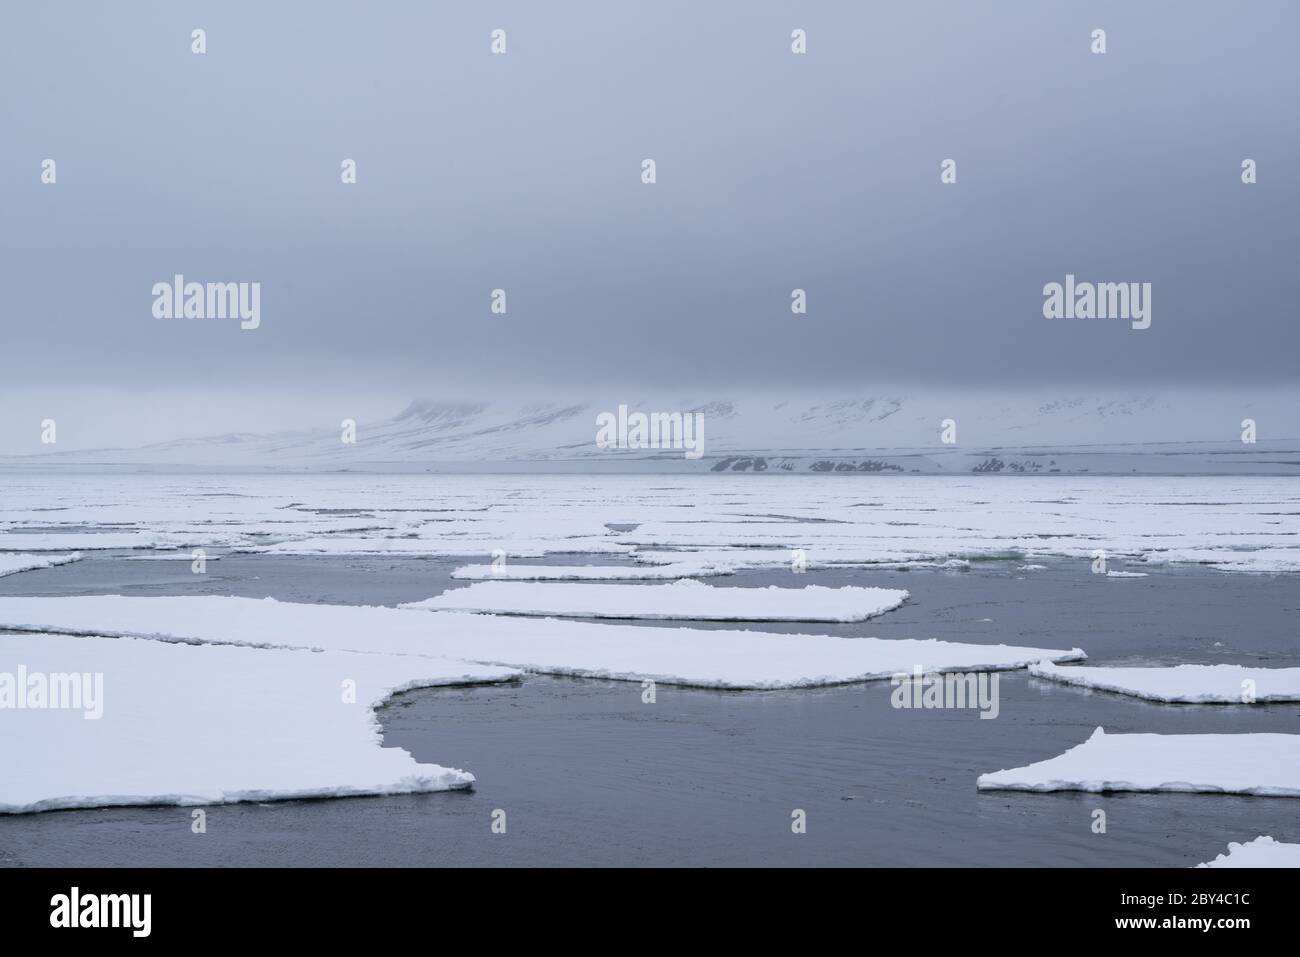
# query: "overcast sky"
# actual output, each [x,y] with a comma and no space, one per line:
[522,171]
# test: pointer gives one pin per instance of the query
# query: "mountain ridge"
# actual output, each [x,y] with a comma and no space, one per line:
[890,432]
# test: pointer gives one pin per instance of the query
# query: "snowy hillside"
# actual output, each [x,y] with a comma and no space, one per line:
[1170,433]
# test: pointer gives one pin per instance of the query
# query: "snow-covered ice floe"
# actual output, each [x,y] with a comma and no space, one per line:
[699,561]
[13,564]
[1261,852]
[559,573]
[711,658]
[684,599]
[1267,765]
[448,546]
[721,521]
[177,556]
[82,541]
[207,724]
[1183,684]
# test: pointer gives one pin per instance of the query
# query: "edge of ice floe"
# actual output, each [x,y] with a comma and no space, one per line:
[450,779]
[896,598]
[434,777]
[985,782]
[38,563]
[174,639]
[1095,680]
[715,684]
[589,573]
[696,681]
[819,681]
[1249,854]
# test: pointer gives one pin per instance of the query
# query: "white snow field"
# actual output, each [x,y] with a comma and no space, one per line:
[1016,431]
[210,724]
[679,600]
[13,564]
[86,541]
[559,573]
[1261,852]
[441,546]
[1267,765]
[738,521]
[698,657]
[1184,684]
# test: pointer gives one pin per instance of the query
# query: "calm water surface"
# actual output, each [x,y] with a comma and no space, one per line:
[589,775]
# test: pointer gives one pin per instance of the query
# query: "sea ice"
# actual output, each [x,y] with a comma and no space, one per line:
[684,599]
[211,724]
[82,541]
[1267,765]
[1261,852]
[557,573]
[1198,684]
[713,658]
[722,520]
[439,547]
[13,564]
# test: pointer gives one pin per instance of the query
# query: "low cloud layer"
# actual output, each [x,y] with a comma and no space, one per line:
[775,171]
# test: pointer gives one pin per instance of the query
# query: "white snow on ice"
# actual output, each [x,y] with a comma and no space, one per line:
[82,541]
[449,546]
[212,724]
[524,573]
[684,599]
[1235,524]
[711,658]
[1261,852]
[1267,765]
[13,564]
[662,527]
[1189,684]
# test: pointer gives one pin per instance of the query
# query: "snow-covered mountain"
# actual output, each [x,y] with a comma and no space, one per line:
[1170,433]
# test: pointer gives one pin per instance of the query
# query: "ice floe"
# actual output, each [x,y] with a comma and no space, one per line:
[1261,852]
[83,541]
[684,599]
[209,724]
[1188,684]
[711,658]
[1267,765]
[525,573]
[722,520]
[13,564]
[166,557]
[449,546]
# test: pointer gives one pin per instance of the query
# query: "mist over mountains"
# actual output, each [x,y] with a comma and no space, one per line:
[1187,432]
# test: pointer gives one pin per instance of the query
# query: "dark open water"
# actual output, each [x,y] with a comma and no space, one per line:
[588,774]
